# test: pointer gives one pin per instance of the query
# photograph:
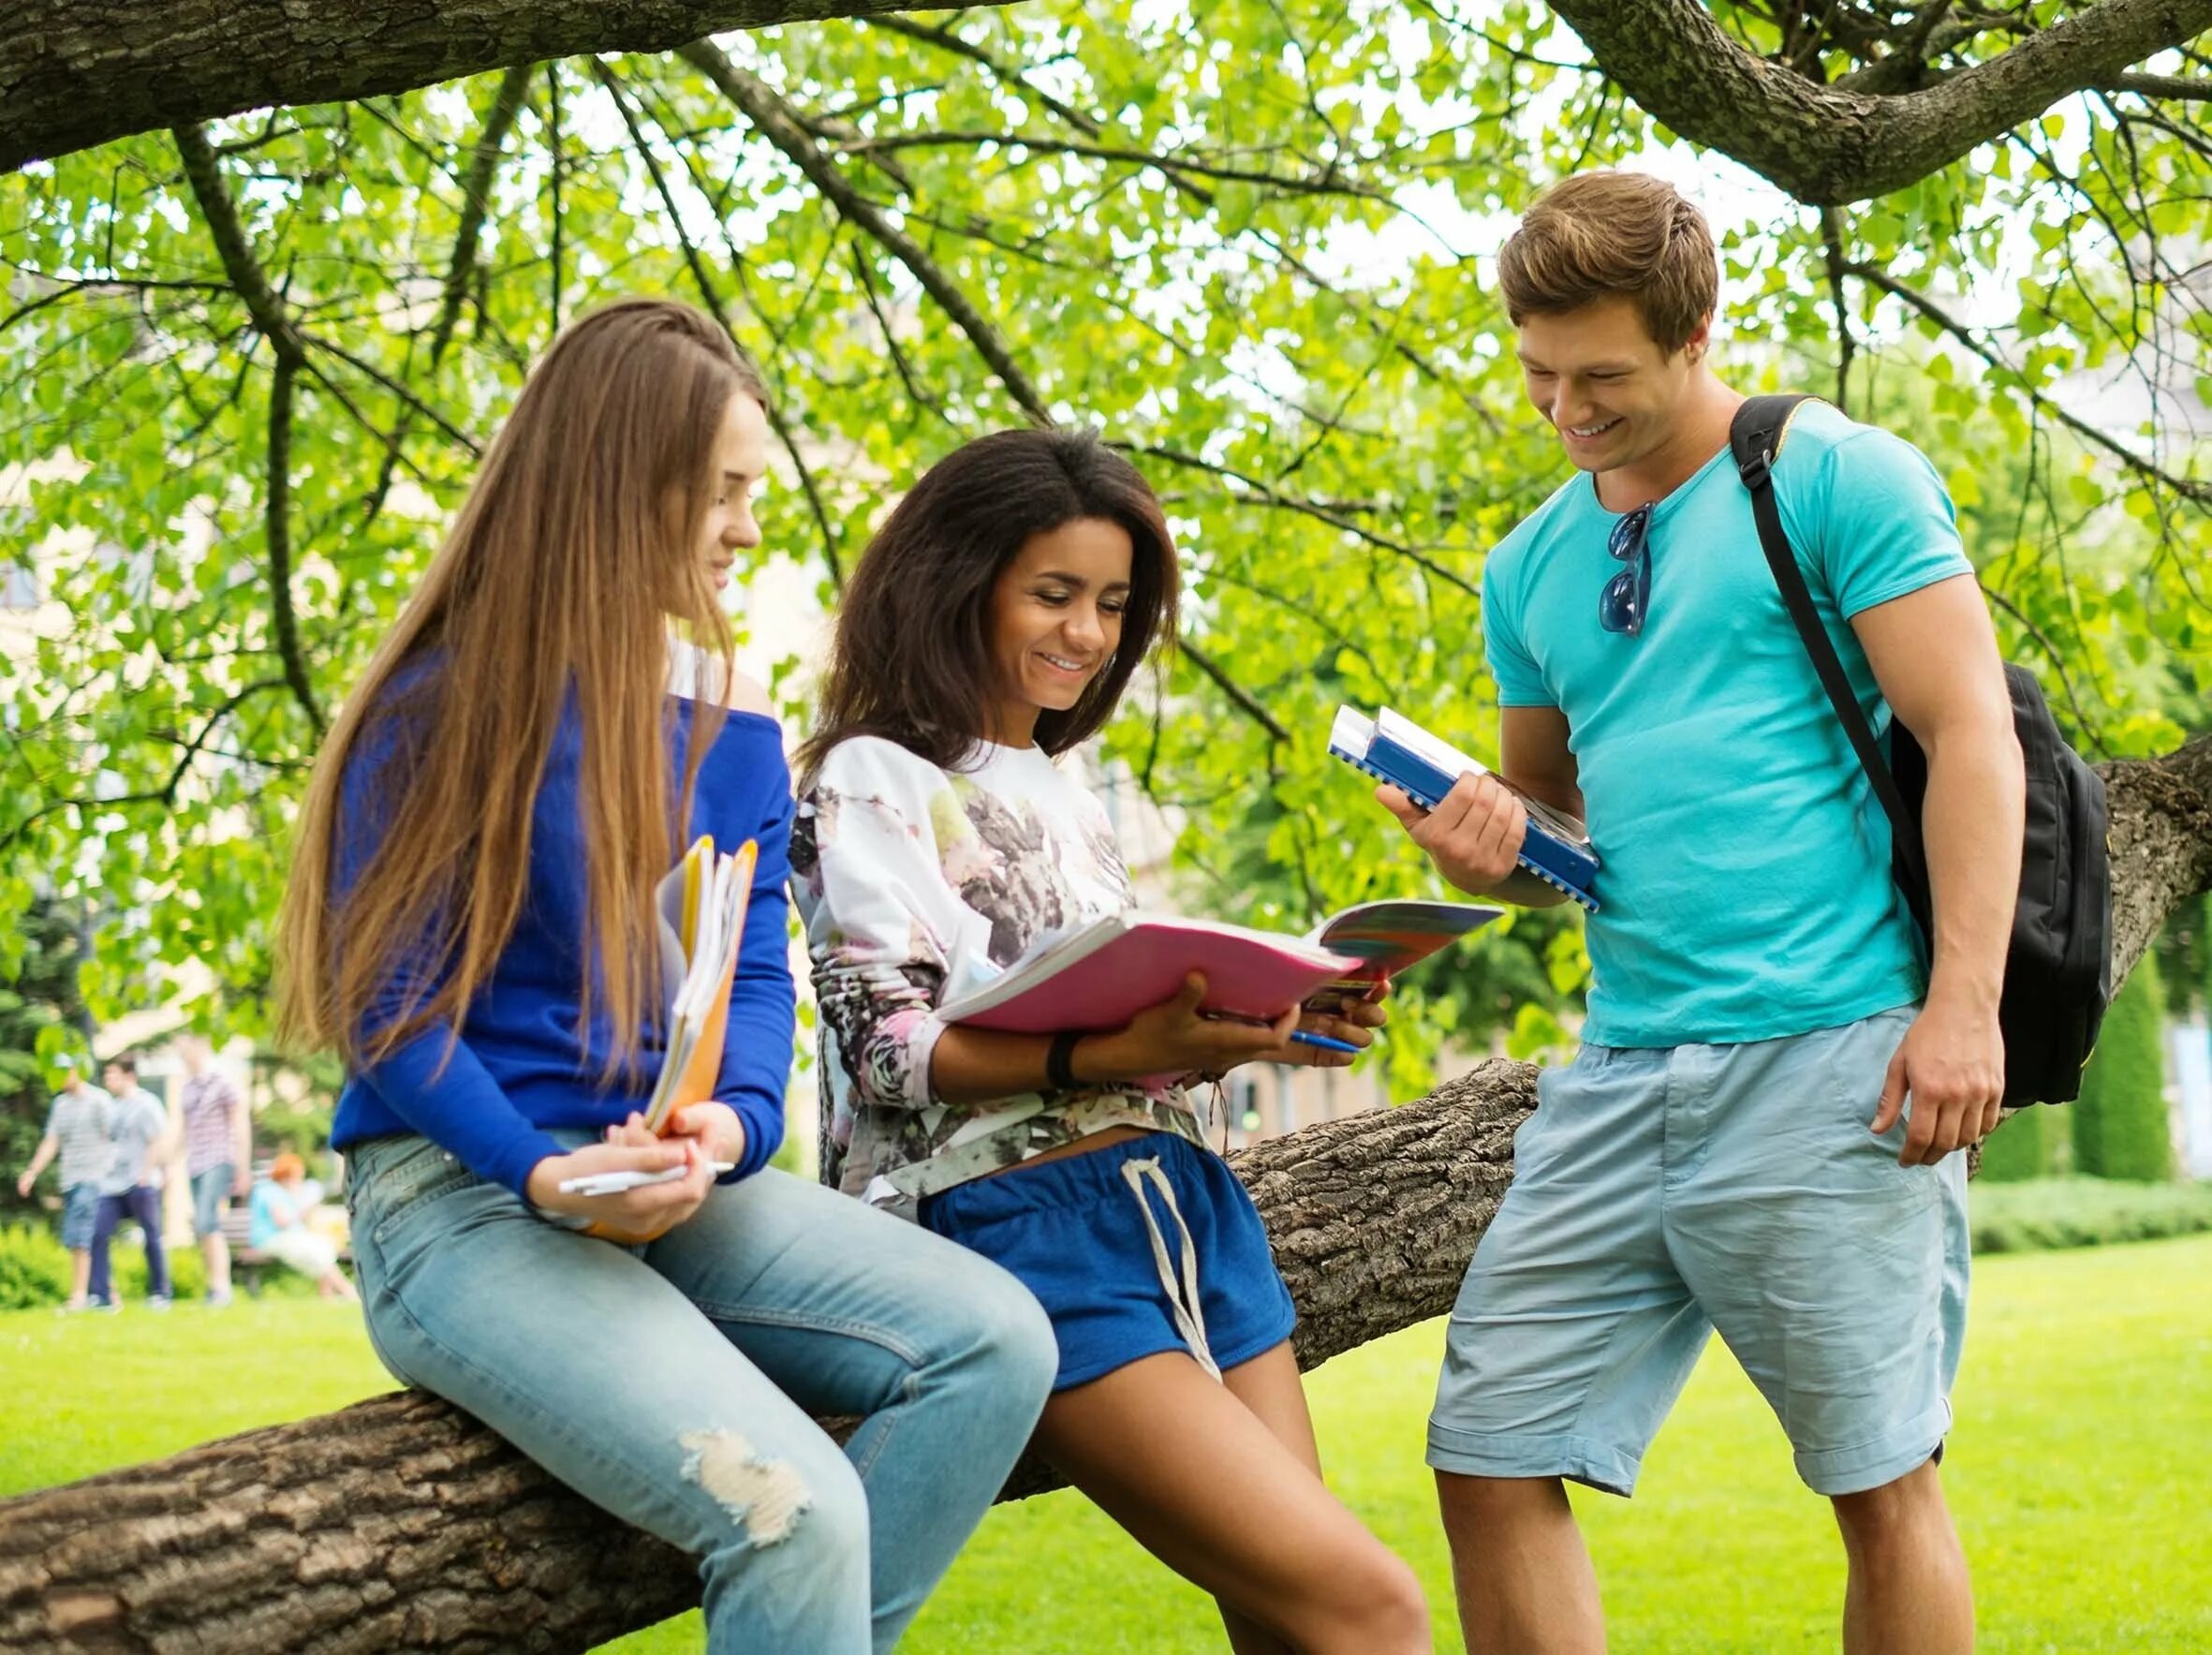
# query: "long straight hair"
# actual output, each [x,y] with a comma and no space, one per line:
[576,545]
[911,657]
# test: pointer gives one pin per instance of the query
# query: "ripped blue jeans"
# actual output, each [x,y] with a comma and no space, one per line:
[673,1385]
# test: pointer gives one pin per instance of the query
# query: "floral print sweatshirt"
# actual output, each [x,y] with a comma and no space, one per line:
[918,885]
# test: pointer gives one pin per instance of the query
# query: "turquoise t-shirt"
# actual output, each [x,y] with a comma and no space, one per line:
[270,1212]
[1746,889]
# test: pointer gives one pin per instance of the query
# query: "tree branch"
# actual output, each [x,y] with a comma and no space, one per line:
[779,123]
[1260,492]
[475,206]
[1832,233]
[1325,183]
[1246,702]
[165,796]
[1831,146]
[2185,88]
[278,534]
[2191,488]
[712,299]
[73,75]
[1010,75]
[203,172]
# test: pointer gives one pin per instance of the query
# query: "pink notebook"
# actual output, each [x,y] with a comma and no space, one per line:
[1104,974]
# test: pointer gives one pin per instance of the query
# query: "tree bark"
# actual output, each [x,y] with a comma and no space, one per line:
[402,1523]
[74,73]
[1827,145]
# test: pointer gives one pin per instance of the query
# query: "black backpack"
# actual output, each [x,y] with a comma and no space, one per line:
[2059,971]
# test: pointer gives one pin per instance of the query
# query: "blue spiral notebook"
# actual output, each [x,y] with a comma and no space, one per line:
[1398,751]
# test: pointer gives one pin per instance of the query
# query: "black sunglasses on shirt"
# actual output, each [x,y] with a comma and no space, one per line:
[1627,597]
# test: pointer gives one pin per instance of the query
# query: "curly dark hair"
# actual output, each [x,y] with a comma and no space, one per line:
[911,659]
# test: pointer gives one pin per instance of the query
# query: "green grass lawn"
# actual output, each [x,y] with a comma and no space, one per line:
[2078,1471]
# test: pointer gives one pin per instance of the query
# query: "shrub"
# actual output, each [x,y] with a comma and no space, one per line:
[187,1271]
[33,1267]
[2026,1146]
[2119,1122]
[2083,1212]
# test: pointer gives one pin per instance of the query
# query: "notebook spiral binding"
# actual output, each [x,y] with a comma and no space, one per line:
[1420,797]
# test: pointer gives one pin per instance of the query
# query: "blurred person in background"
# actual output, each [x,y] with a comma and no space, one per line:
[140,1136]
[77,1133]
[215,1159]
[277,1224]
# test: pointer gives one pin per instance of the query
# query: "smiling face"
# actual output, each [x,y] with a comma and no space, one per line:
[740,462]
[1055,621]
[1609,390]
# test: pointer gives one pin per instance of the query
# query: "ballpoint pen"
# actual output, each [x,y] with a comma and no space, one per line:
[615,1183]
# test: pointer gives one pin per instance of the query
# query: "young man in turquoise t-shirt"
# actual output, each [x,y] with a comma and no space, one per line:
[1758,1135]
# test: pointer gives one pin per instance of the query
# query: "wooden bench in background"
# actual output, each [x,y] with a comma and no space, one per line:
[248,1263]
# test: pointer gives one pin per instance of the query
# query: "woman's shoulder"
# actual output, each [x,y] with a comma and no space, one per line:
[695,674]
[747,694]
[875,763]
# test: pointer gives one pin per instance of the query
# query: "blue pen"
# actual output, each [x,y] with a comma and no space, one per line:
[1327,1043]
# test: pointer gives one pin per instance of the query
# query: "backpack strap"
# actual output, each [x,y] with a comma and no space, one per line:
[1755,437]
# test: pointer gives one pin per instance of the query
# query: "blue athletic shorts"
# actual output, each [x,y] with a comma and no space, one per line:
[1074,1232]
[1660,1194]
[80,1207]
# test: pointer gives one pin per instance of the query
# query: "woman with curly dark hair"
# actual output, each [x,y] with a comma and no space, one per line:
[992,625]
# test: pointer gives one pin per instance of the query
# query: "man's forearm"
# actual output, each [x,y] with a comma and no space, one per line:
[1973,819]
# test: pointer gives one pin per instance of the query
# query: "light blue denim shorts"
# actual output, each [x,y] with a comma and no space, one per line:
[1660,1194]
[80,1208]
[209,1190]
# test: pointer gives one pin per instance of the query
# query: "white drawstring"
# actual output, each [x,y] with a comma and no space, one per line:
[1182,1305]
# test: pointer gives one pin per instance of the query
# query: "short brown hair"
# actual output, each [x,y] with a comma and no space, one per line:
[1601,235]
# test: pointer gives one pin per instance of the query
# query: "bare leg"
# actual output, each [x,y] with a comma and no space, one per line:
[1524,1577]
[1205,1485]
[1270,1387]
[1909,1589]
[79,1275]
[217,1252]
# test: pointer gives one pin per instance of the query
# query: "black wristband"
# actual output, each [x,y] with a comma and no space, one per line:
[1059,1061]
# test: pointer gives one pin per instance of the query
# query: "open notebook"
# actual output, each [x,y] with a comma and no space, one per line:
[1101,975]
[701,905]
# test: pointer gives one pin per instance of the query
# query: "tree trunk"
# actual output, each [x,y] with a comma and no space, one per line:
[75,73]
[1830,144]
[401,1523]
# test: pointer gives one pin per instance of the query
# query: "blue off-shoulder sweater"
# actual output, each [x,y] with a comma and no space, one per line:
[517,1068]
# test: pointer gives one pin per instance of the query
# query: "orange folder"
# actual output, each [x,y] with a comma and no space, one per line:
[700,1028]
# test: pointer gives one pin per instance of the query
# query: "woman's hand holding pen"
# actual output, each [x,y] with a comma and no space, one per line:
[1350,1023]
[1176,1038]
[631,1216]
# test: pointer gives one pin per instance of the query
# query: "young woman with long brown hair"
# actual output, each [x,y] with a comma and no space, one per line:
[470,924]
[991,626]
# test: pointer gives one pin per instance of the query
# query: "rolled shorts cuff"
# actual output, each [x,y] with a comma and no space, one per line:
[1597,1464]
[1871,1464]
